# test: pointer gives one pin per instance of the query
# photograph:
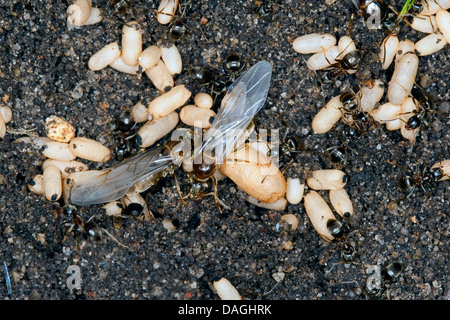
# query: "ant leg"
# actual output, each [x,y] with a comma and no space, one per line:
[180,194]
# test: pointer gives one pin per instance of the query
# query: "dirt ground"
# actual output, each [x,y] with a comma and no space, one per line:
[43,72]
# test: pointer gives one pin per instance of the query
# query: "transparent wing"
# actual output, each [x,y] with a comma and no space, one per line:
[244,98]
[111,184]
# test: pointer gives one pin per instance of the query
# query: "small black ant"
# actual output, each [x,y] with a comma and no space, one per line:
[350,62]
[341,234]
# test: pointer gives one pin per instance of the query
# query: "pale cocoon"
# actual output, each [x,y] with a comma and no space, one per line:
[341,202]
[328,116]
[169,101]
[345,45]
[160,76]
[66,167]
[36,185]
[313,43]
[104,57]
[89,149]
[327,179]
[430,44]
[197,117]
[323,59]
[166,11]
[139,112]
[279,205]
[255,174]
[443,22]
[150,57]
[203,100]
[52,183]
[113,208]
[131,43]
[57,150]
[294,190]
[388,50]
[386,112]
[290,219]
[121,66]
[318,213]
[225,290]
[79,12]
[425,24]
[172,59]
[6,113]
[370,95]
[405,46]
[155,129]
[431,7]
[403,78]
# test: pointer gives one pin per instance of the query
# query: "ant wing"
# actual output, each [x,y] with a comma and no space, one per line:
[244,98]
[111,184]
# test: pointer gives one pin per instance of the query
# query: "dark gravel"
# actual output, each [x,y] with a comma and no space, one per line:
[43,72]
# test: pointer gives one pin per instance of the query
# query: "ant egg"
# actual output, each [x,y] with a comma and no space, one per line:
[294,190]
[225,290]
[160,76]
[197,117]
[425,24]
[341,202]
[66,167]
[79,12]
[150,57]
[279,205]
[370,94]
[57,150]
[328,116]
[435,6]
[324,59]
[443,22]
[313,43]
[169,101]
[140,113]
[121,66]
[89,149]
[402,80]
[430,44]
[155,129]
[52,183]
[386,112]
[254,173]
[166,11]
[36,185]
[319,213]
[131,43]
[203,100]
[104,57]
[172,59]
[388,50]
[59,129]
[113,209]
[445,167]
[327,179]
